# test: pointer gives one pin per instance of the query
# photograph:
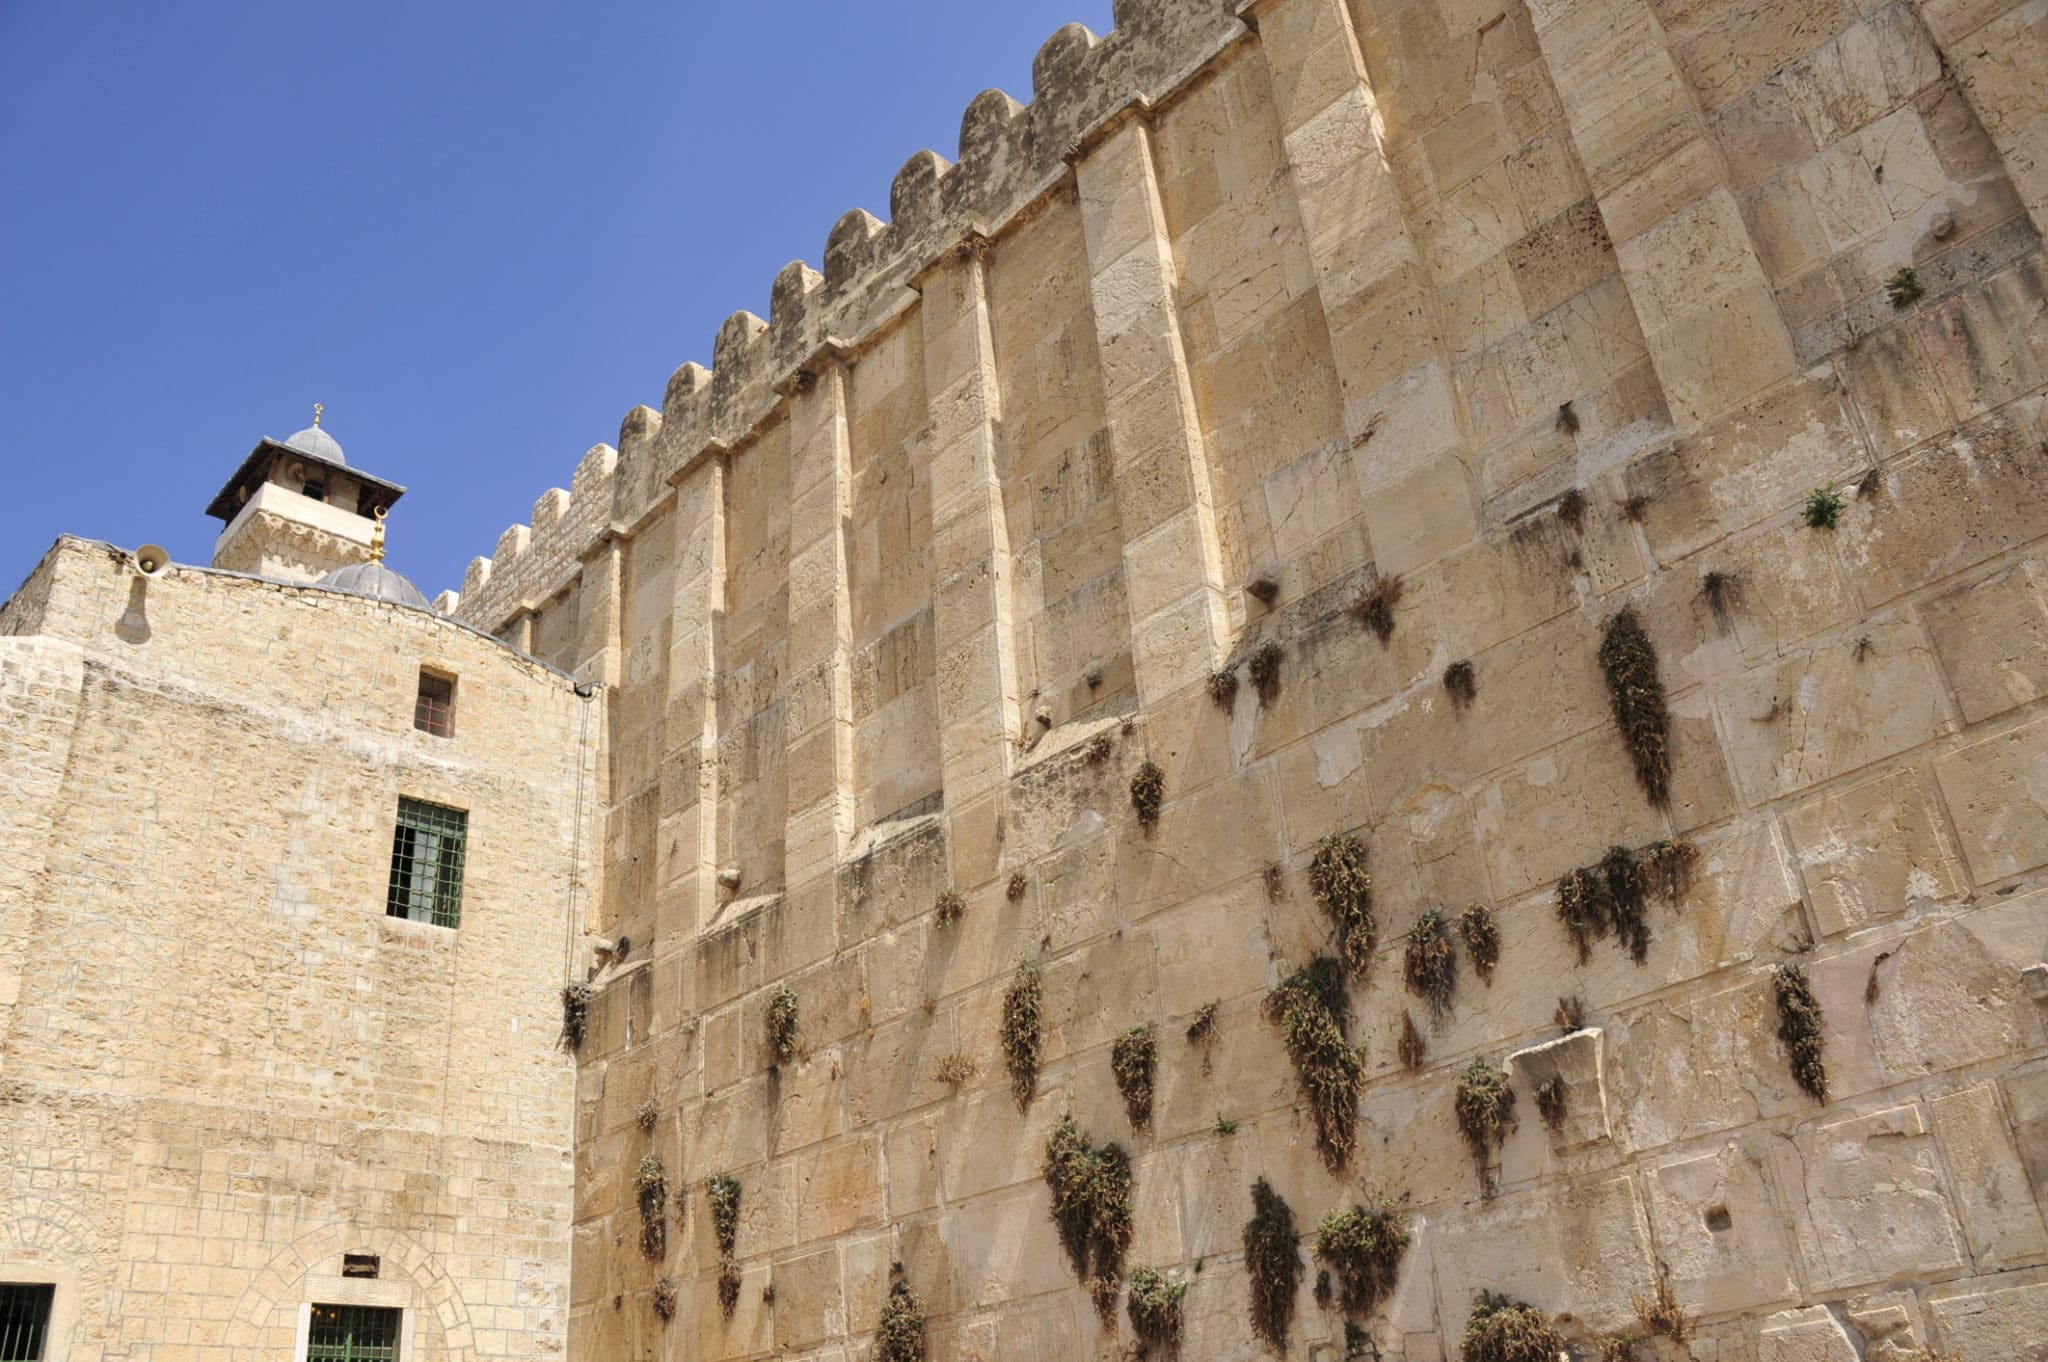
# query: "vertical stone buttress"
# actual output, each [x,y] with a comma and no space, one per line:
[973,603]
[1173,566]
[1399,405]
[1998,51]
[1709,316]
[689,769]
[600,605]
[819,723]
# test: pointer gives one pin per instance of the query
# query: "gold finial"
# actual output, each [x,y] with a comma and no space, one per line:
[317,409]
[376,535]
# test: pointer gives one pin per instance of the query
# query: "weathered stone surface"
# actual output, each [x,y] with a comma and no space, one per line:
[1874,851]
[1869,1200]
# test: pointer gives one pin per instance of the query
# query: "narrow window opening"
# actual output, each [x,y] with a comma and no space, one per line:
[24,1320]
[360,1265]
[434,711]
[427,848]
[352,1333]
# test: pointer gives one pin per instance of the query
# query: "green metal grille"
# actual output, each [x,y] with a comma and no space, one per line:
[352,1333]
[426,863]
[24,1321]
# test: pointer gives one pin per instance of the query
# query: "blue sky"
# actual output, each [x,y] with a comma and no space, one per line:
[477,233]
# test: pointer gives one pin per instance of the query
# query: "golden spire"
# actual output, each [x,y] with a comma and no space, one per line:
[376,534]
[317,409]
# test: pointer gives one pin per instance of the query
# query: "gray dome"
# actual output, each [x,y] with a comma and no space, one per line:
[377,582]
[317,442]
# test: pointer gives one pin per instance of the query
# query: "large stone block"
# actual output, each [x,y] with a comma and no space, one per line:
[1997,793]
[1869,1200]
[1873,851]
[1719,1230]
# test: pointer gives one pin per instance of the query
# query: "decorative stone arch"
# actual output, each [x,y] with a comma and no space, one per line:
[267,1315]
[46,1240]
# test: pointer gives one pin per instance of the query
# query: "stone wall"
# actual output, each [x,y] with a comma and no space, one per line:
[1542,312]
[222,1066]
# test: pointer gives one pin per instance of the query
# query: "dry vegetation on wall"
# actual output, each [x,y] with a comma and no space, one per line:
[899,1333]
[1660,1315]
[782,1020]
[1363,1246]
[1629,662]
[663,1299]
[1610,898]
[647,1115]
[1022,1036]
[949,907]
[1800,1027]
[1502,1329]
[1091,1207]
[1338,878]
[1374,607]
[650,1183]
[1223,688]
[1154,1308]
[1550,1102]
[575,1015]
[1264,669]
[1132,1059]
[1148,793]
[1272,1258]
[1411,1047]
[1482,940]
[1461,684]
[722,1195]
[1314,1017]
[1486,1113]
[957,1069]
[1430,968]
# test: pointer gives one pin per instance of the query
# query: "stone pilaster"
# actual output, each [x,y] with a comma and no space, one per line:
[1173,574]
[1998,51]
[688,872]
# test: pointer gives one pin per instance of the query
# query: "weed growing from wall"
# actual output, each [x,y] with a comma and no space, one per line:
[1502,1329]
[1669,864]
[956,1069]
[1273,1260]
[664,1299]
[1718,589]
[1571,507]
[1148,793]
[1582,908]
[1022,1031]
[1461,684]
[1091,1207]
[1550,1102]
[1314,1018]
[1223,688]
[1202,1028]
[722,1195]
[1132,1059]
[1629,662]
[1338,878]
[899,1333]
[1903,289]
[1570,1015]
[1616,1348]
[1800,1028]
[1265,670]
[1154,1308]
[1363,1246]
[647,1115]
[1274,879]
[782,1019]
[1482,940]
[1264,588]
[1635,508]
[1411,1047]
[650,1182]
[1430,967]
[575,1015]
[1486,1113]
[1016,887]
[1823,508]
[1100,749]
[1374,607]
[1627,889]
[1659,1313]
[949,908]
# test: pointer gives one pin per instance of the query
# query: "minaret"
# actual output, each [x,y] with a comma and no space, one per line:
[296,511]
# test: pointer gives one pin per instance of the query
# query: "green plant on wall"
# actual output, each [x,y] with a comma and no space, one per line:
[1482,940]
[1363,1246]
[1148,794]
[722,1195]
[1338,877]
[1636,694]
[1801,1028]
[1022,1035]
[1154,1308]
[899,1333]
[575,1015]
[1430,967]
[781,1022]
[1485,1105]
[1502,1329]
[650,1182]
[1091,1207]
[1314,1017]
[1272,1259]
[1131,1060]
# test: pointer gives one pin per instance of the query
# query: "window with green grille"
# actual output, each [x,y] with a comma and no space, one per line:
[426,863]
[352,1333]
[24,1320]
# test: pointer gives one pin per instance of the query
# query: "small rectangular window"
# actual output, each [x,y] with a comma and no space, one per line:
[360,1265]
[426,863]
[24,1320]
[434,711]
[352,1333]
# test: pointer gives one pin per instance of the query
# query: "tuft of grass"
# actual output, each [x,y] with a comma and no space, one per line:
[1485,1106]
[1132,1060]
[1023,1034]
[1100,748]
[1571,1014]
[650,1183]
[1016,887]
[575,1015]
[647,1115]
[1823,508]
[1223,688]
[1718,590]
[1550,1102]
[1338,877]
[1274,878]
[1903,288]
[1482,940]
[1606,899]
[957,1069]
[949,908]
[1502,1329]
[1629,662]
[1635,508]
[1461,684]
[1571,507]
[1264,670]
[1272,1258]
[1154,1308]
[664,1299]
[1568,424]
[1202,1028]
[722,1194]
[782,1020]
[1363,1246]
[1374,607]
[1264,588]
[1659,1313]
[1430,967]
[1224,1126]
[1411,1047]
[1800,1027]
[1616,1348]
[899,1332]
[1314,1017]
[1669,864]
[1148,793]
[1091,1208]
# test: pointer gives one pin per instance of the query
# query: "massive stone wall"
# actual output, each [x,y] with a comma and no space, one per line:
[1544,311]
[222,1067]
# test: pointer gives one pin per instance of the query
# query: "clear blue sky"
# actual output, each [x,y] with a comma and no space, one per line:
[478,233]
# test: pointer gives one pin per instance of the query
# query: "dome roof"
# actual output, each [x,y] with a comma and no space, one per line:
[377,582]
[317,442]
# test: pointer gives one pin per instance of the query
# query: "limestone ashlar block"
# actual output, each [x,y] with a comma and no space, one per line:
[1869,1200]
[1576,1060]
[1997,793]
